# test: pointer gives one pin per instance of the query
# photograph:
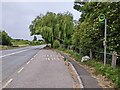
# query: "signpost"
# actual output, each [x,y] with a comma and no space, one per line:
[103,20]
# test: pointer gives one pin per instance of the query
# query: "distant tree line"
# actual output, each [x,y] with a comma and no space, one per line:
[5,39]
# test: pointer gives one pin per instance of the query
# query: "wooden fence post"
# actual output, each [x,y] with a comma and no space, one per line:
[90,54]
[114,59]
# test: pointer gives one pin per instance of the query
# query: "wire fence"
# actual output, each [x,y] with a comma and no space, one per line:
[111,58]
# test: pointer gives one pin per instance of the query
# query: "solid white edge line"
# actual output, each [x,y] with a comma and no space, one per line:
[20,69]
[12,53]
[80,81]
[8,83]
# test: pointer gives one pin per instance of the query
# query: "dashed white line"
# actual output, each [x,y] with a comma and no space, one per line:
[8,83]
[35,55]
[20,69]
[31,59]
[28,62]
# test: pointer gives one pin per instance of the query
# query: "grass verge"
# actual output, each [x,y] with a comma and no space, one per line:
[112,74]
[4,47]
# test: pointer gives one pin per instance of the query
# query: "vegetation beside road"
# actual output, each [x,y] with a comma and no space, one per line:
[88,33]
[6,42]
[110,73]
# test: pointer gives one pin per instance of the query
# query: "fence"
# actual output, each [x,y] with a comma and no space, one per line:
[112,57]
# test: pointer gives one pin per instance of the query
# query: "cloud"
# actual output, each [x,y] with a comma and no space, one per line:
[17,16]
[37,0]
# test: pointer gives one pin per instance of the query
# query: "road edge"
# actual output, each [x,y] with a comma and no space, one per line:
[78,77]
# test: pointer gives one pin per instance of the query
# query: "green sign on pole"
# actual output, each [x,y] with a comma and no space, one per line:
[101,18]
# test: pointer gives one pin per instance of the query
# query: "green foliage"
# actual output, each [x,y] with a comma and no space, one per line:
[56,44]
[5,39]
[111,73]
[90,32]
[20,42]
[53,26]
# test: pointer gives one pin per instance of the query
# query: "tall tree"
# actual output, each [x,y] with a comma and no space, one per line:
[5,38]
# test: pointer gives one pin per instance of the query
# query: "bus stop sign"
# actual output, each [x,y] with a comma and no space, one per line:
[101,17]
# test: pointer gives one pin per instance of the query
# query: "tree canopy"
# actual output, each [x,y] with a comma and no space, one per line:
[88,32]
[53,27]
[5,39]
[91,31]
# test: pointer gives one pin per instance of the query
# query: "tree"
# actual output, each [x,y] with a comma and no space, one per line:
[53,27]
[5,38]
[91,32]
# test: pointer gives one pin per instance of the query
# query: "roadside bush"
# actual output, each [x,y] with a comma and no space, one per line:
[111,73]
[56,44]
[5,38]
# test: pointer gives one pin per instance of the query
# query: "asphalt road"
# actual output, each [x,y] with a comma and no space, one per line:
[33,67]
[15,58]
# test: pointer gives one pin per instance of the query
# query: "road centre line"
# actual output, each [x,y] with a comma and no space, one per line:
[8,83]
[12,53]
[20,69]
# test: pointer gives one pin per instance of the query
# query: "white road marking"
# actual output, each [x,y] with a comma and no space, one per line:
[78,77]
[20,69]
[28,62]
[48,58]
[31,59]
[36,55]
[8,83]
[12,53]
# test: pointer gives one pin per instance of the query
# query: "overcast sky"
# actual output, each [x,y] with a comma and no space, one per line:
[17,16]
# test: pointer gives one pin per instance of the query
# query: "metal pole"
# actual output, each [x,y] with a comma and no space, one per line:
[105,46]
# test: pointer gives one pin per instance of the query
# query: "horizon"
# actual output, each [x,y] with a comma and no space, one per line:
[17,16]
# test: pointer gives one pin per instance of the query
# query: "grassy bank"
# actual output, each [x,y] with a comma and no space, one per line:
[112,74]
[4,47]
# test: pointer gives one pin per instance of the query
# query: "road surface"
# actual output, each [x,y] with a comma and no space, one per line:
[14,59]
[33,67]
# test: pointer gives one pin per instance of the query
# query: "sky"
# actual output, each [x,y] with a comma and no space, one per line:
[17,16]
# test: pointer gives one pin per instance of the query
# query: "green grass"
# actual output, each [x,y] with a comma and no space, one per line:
[113,74]
[4,47]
